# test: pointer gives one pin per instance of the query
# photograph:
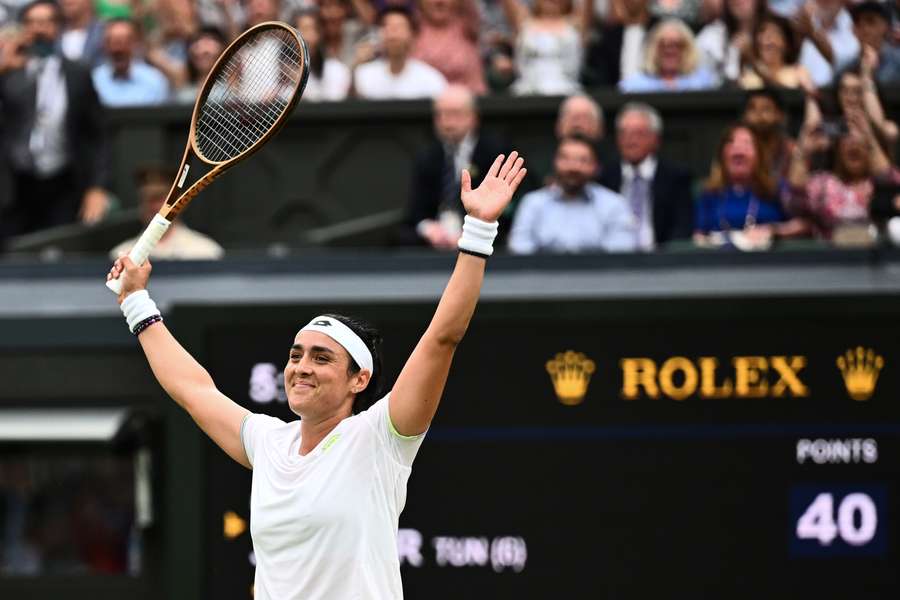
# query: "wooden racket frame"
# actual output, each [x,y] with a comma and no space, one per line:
[177,200]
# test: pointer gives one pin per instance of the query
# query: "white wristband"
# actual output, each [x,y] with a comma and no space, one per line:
[138,306]
[478,236]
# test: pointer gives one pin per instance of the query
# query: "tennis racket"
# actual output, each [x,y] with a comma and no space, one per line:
[246,98]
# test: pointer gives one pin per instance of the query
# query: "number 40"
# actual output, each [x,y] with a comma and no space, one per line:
[818,523]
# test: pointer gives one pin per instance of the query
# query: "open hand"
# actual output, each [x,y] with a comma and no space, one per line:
[488,201]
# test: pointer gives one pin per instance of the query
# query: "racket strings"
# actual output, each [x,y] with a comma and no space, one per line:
[248,95]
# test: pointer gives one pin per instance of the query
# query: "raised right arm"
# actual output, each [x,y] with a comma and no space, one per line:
[182,377]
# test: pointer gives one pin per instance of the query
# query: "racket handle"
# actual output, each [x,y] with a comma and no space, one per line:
[144,246]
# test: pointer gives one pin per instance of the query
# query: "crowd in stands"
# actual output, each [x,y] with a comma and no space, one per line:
[61,64]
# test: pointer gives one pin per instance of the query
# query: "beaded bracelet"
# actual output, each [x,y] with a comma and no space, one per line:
[146,323]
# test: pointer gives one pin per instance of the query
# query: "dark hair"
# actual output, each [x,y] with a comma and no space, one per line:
[372,339]
[791,43]
[204,32]
[397,10]
[316,55]
[764,92]
[578,138]
[731,24]
[870,7]
[35,3]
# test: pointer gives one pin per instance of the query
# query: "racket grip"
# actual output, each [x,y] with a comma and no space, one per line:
[143,247]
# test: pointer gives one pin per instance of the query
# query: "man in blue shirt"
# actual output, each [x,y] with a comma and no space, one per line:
[124,80]
[573,214]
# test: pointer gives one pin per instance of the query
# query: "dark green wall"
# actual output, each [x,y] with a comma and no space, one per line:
[333,162]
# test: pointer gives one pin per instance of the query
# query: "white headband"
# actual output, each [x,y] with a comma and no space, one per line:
[344,336]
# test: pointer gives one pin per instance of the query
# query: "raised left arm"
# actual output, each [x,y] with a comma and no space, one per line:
[417,392]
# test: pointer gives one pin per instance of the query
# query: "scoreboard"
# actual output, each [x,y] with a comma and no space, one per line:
[724,448]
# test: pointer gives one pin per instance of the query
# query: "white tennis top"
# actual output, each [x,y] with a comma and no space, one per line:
[324,525]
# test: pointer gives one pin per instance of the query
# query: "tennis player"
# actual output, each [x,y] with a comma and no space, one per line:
[328,489]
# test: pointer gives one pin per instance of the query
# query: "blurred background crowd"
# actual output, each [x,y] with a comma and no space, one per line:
[64,65]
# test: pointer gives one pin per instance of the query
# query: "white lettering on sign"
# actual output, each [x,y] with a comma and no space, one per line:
[837,451]
[266,384]
[409,547]
[461,552]
[499,553]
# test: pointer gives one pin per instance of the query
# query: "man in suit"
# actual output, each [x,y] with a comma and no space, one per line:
[82,37]
[434,213]
[658,192]
[618,50]
[53,136]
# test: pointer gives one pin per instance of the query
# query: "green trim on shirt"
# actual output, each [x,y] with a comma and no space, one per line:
[393,429]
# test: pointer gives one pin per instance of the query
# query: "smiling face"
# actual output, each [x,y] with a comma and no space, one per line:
[770,44]
[739,156]
[853,156]
[763,114]
[41,22]
[671,47]
[635,137]
[317,378]
[308,26]
[575,165]
[850,92]
[872,29]
[203,52]
[396,35]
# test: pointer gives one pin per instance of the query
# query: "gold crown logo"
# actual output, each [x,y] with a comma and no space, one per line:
[233,525]
[570,373]
[859,368]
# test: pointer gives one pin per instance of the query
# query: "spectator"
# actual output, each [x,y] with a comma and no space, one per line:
[57,163]
[124,79]
[857,93]
[658,192]
[179,242]
[579,115]
[260,11]
[342,34]
[879,58]
[448,41]
[203,51]
[329,78]
[725,42]
[82,37]
[500,71]
[829,44]
[435,213]
[765,116]
[548,46]
[167,46]
[773,57]
[574,214]
[616,53]
[838,196]
[671,62]
[397,75]
[739,205]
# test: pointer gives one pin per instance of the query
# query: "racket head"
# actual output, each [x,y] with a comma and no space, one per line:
[249,93]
